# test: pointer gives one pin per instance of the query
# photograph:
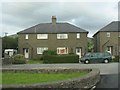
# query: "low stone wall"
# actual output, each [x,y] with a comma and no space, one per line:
[79,83]
[6,60]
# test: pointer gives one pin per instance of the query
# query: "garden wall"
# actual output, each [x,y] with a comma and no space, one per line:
[79,83]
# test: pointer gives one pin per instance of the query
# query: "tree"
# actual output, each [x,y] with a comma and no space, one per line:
[90,44]
[9,43]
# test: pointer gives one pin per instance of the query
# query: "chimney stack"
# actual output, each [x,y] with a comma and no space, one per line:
[54,19]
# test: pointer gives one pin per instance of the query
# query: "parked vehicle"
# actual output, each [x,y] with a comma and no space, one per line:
[10,52]
[96,57]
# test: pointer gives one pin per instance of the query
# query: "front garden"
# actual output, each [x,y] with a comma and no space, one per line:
[32,78]
[48,57]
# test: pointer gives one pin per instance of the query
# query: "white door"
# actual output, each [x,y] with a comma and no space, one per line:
[78,51]
[109,49]
[26,52]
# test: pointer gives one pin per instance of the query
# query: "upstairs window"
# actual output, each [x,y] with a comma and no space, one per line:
[42,36]
[108,34]
[78,35]
[26,36]
[62,50]
[40,50]
[62,36]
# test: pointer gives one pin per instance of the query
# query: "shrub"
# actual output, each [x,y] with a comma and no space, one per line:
[115,59]
[18,59]
[49,52]
[61,59]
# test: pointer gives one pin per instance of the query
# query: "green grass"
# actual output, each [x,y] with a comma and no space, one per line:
[35,62]
[32,78]
[0,78]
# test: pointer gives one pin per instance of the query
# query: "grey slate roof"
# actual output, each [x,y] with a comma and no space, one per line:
[112,27]
[52,28]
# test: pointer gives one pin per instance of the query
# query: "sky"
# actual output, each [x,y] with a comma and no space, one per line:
[89,15]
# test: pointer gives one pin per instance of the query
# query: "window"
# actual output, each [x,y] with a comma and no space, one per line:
[119,34]
[42,36]
[62,36]
[40,50]
[78,35]
[62,50]
[108,34]
[26,36]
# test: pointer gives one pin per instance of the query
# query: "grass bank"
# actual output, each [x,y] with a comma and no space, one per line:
[32,78]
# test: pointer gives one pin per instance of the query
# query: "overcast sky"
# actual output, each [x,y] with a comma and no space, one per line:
[91,16]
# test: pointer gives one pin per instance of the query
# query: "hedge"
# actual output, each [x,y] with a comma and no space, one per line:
[116,59]
[18,59]
[61,59]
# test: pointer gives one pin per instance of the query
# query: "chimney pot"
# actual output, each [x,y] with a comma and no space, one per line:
[54,19]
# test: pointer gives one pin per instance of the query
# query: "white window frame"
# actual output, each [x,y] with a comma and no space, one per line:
[108,34]
[118,34]
[42,36]
[78,35]
[65,48]
[62,36]
[26,36]
[40,50]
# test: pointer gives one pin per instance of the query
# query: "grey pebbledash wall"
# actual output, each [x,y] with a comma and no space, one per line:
[79,83]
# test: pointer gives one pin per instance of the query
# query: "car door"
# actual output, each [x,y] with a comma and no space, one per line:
[100,57]
[92,58]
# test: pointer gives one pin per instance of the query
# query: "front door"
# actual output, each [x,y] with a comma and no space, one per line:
[78,51]
[26,53]
[109,49]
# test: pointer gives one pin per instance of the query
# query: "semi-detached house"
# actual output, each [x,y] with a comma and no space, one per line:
[65,38]
[108,39]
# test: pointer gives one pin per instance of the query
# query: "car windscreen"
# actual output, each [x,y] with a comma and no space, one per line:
[87,55]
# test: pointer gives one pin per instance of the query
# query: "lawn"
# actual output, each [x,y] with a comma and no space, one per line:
[0,78]
[35,62]
[32,78]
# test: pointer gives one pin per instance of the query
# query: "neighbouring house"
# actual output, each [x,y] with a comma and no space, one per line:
[65,38]
[108,39]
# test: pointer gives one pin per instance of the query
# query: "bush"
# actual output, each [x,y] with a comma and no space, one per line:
[115,59]
[61,59]
[18,59]
[49,52]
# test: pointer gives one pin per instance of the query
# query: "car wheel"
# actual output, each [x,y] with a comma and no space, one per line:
[86,61]
[106,61]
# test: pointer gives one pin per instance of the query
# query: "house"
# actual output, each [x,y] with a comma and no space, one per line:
[108,39]
[65,38]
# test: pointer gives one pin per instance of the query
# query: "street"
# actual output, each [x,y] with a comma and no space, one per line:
[108,81]
[108,72]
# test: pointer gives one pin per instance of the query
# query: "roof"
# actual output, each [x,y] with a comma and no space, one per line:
[52,28]
[111,27]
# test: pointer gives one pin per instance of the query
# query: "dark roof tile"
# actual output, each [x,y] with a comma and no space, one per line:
[52,28]
[111,27]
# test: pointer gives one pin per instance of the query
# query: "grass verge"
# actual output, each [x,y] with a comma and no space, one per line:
[32,78]
[35,62]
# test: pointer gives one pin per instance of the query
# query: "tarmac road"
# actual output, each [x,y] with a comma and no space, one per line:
[109,82]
